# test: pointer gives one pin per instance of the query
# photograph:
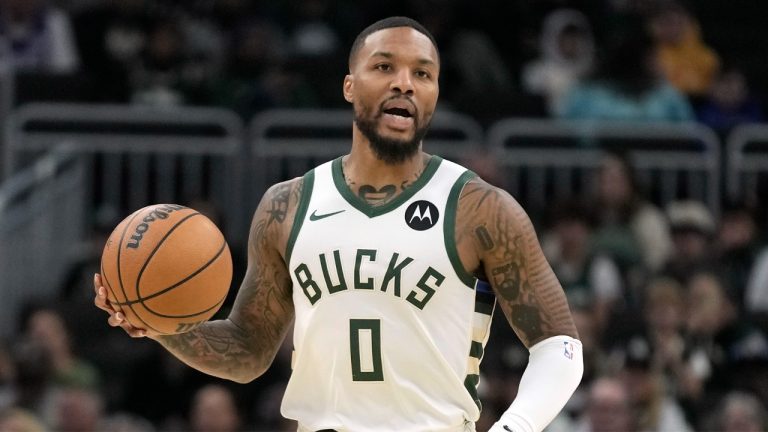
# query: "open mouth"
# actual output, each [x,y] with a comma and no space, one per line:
[400,112]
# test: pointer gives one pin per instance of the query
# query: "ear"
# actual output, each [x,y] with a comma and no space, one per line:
[348,88]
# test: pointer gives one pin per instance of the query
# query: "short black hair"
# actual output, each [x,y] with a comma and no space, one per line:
[386,23]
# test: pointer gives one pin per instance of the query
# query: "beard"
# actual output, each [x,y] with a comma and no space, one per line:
[388,150]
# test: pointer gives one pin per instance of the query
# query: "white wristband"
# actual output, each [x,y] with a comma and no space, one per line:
[554,370]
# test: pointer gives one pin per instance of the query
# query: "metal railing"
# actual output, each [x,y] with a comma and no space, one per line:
[138,155]
[547,160]
[132,156]
[747,162]
[42,224]
[6,100]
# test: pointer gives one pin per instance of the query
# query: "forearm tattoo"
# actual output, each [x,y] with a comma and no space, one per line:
[217,347]
[246,343]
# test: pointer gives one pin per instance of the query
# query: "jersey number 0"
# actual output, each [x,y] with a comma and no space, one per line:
[365,349]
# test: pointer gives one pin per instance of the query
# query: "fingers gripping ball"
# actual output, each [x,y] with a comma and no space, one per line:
[167,268]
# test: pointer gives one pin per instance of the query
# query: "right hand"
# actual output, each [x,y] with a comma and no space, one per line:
[116,317]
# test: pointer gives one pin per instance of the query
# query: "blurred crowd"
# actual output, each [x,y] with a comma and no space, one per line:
[671,303]
[609,59]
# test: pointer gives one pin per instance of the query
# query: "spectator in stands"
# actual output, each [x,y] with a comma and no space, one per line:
[151,380]
[313,59]
[37,37]
[313,34]
[630,229]
[590,279]
[664,316]
[256,76]
[6,365]
[756,292]
[486,165]
[163,76]
[32,387]
[740,412]
[214,410]
[111,37]
[626,87]
[475,78]
[287,86]
[737,246]
[125,422]
[77,410]
[222,22]
[728,351]
[729,102]
[46,326]
[20,420]
[609,408]
[656,410]
[683,57]
[472,56]
[204,41]
[693,229]
[566,55]
[253,47]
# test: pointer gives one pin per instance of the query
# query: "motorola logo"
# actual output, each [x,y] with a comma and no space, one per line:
[421,215]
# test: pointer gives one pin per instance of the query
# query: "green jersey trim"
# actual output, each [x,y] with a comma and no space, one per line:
[373,211]
[449,229]
[301,213]
[470,383]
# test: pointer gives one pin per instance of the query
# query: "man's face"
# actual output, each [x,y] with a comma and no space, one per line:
[609,407]
[393,88]
[614,185]
[706,304]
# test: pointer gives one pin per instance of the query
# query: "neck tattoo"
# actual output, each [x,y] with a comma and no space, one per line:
[379,196]
[376,197]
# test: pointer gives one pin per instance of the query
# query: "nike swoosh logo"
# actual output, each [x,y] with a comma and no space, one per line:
[314,216]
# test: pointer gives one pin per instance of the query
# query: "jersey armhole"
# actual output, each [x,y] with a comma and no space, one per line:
[449,229]
[301,213]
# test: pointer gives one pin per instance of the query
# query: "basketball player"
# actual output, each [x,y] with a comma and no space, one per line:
[389,262]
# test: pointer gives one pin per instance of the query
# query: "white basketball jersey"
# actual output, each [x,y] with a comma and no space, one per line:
[390,328]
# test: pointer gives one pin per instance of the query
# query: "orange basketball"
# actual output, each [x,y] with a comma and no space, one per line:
[167,268]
